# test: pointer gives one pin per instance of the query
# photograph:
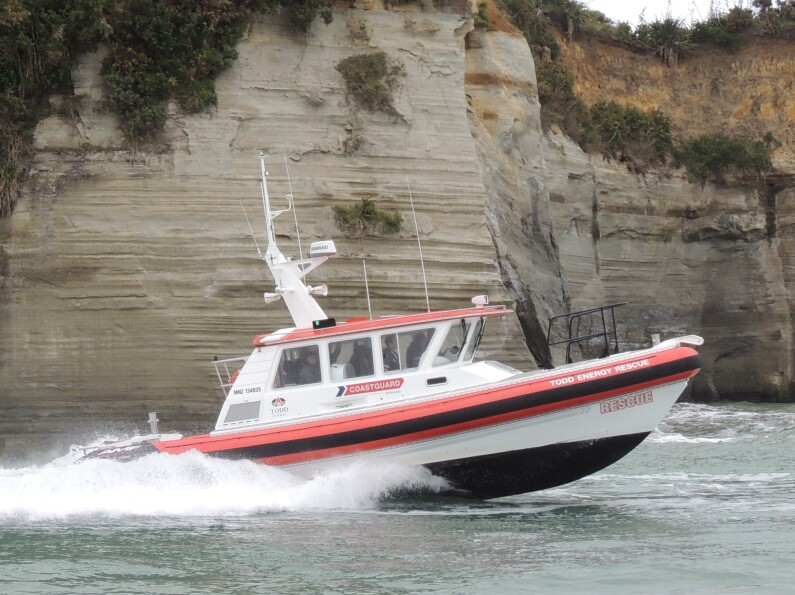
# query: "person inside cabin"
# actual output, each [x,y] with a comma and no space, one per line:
[334,352]
[361,359]
[310,369]
[417,348]
[391,356]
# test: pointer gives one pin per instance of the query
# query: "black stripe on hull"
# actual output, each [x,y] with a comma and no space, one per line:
[533,469]
[463,415]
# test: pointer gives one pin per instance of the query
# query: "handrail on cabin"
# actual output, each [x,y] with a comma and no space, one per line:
[573,317]
[227,370]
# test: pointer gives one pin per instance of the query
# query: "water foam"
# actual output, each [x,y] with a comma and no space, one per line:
[194,484]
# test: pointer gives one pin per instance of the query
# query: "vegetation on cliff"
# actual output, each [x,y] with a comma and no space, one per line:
[364,218]
[174,49]
[39,41]
[624,133]
[711,157]
[370,79]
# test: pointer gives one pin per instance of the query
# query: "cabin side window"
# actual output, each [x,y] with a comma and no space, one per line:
[352,358]
[404,351]
[298,366]
[453,344]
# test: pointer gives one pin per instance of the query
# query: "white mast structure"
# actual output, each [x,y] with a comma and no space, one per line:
[289,274]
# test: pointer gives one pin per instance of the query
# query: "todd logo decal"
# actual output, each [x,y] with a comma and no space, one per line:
[279,407]
[369,387]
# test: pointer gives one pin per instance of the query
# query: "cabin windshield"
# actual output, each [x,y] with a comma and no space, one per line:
[298,366]
[352,358]
[453,344]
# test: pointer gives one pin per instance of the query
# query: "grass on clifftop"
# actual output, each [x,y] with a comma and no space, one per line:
[624,133]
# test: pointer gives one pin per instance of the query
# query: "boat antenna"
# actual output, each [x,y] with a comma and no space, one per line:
[419,245]
[367,289]
[272,254]
[266,203]
[251,230]
[295,215]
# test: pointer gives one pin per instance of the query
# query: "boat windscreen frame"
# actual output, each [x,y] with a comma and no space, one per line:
[443,353]
[474,339]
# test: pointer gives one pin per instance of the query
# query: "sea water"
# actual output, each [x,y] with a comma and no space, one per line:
[705,504]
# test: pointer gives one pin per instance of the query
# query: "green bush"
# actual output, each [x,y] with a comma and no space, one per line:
[167,49]
[560,105]
[612,132]
[365,219]
[723,29]
[301,13]
[710,157]
[39,43]
[629,135]
[369,79]
[481,18]
[10,173]
[529,18]
[668,38]
[568,15]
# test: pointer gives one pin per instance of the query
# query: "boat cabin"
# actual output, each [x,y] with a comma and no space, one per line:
[320,367]
[305,372]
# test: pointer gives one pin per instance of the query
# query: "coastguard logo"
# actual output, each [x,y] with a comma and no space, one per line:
[369,387]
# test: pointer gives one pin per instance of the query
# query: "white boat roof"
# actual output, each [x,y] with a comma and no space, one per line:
[360,325]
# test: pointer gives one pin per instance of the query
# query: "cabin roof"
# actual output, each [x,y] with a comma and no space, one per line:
[359,325]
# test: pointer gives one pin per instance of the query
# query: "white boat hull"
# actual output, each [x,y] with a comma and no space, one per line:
[592,433]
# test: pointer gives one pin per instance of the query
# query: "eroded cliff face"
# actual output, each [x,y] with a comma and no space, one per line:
[724,255]
[505,122]
[688,259]
[124,273]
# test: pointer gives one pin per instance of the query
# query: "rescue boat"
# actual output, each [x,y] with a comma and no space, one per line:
[409,389]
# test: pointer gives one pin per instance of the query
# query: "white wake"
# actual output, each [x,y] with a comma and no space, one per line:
[193,484]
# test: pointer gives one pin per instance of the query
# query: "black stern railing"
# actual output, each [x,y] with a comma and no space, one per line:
[601,325]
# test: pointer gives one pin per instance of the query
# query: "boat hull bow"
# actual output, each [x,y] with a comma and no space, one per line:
[533,469]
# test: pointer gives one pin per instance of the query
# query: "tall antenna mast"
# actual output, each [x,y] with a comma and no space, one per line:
[295,214]
[419,245]
[367,289]
[289,274]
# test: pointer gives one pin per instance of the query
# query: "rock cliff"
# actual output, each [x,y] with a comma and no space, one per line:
[122,273]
